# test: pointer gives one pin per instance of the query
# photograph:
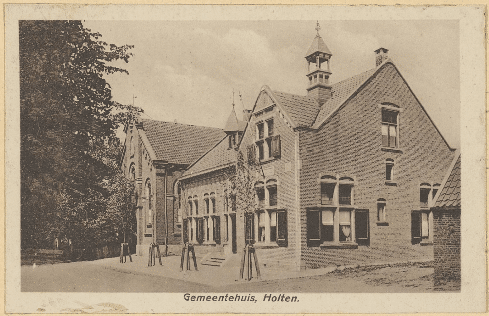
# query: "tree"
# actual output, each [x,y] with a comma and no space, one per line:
[68,118]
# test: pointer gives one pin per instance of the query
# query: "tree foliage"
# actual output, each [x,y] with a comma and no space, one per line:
[69,151]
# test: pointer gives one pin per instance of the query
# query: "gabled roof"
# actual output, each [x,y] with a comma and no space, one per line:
[218,157]
[302,109]
[318,45]
[449,194]
[341,91]
[180,143]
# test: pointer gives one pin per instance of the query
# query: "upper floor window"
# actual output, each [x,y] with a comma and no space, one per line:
[390,128]
[267,142]
[132,146]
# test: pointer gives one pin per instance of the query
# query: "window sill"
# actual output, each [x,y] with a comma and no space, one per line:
[392,150]
[392,183]
[339,245]
[209,243]
[382,224]
[333,206]
[426,243]
[266,245]
[267,160]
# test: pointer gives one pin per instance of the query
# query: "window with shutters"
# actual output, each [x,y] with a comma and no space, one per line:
[332,223]
[270,223]
[267,142]
[390,128]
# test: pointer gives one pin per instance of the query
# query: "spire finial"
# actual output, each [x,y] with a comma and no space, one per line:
[317,27]
[233,98]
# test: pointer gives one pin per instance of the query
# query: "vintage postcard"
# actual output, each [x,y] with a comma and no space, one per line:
[245,159]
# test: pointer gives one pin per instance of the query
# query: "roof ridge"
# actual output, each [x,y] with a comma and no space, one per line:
[183,124]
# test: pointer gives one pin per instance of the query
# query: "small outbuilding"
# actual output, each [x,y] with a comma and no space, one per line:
[446,219]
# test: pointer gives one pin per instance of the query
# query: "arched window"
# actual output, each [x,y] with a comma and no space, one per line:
[190,206]
[149,198]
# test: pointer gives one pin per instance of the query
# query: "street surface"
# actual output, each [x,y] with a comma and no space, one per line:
[92,277]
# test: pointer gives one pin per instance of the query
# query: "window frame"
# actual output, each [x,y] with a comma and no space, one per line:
[338,205]
[267,140]
[393,108]
[382,212]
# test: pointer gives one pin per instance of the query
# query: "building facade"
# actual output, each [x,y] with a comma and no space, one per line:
[342,175]
[155,155]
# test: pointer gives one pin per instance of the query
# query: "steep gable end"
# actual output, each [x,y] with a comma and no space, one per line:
[263,102]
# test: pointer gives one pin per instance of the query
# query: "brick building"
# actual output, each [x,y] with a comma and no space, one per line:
[346,173]
[446,242]
[155,155]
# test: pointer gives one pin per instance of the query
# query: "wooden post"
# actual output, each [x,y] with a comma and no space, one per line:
[195,259]
[257,266]
[182,260]
[243,259]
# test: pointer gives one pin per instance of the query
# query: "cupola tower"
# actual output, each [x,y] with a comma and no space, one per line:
[318,70]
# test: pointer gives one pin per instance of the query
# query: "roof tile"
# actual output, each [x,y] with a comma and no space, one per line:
[450,192]
[180,143]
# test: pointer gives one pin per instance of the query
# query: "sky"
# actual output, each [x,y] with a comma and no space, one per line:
[186,71]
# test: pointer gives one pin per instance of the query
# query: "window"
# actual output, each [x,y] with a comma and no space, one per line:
[424,195]
[332,222]
[389,170]
[131,146]
[190,205]
[422,219]
[149,209]
[267,142]
[381,213]
[207,203]
[390,128]
[213,203]
[422,227]
[270,224]
[196,205]
[328,185]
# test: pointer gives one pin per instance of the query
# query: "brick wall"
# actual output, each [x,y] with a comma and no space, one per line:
[446,245]
[284,171]
[349,144]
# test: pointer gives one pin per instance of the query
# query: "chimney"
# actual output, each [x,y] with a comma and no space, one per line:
[380,56]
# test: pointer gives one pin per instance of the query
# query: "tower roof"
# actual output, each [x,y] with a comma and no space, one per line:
[233,124]
[318,45]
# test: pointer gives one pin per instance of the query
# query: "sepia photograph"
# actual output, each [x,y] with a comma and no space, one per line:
[214,163]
